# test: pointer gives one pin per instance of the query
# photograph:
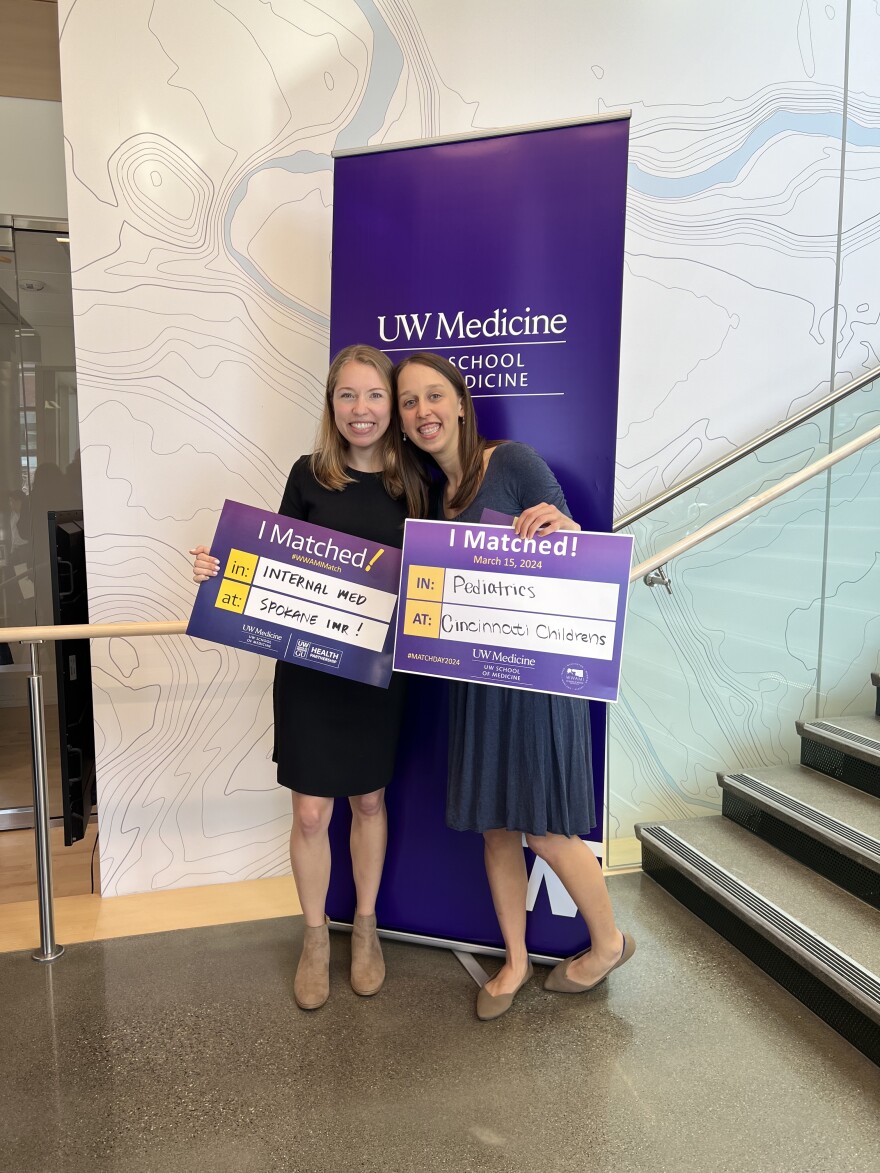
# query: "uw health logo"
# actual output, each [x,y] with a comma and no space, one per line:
[575,677]
[314,653]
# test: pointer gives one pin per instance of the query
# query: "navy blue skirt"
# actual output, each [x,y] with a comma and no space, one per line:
[519,761]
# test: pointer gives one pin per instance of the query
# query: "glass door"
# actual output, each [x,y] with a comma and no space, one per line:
[39,473]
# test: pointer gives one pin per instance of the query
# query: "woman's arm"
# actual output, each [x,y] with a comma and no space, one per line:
[543,508]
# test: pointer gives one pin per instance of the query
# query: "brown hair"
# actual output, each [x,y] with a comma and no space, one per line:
[471,445]
[328,460]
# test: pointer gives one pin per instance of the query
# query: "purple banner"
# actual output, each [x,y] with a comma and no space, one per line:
[504,253]
[302,593]
[543,614]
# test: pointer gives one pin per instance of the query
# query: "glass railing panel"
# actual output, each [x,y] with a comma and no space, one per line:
[850,634]
[854,416]
[730,486]
[716,674]
[751,474]
[773,620]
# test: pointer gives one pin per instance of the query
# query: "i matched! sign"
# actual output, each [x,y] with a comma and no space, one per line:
[302,593]
[480,603]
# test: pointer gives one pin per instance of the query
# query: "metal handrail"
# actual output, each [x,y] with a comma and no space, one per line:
[753,504]
[22,635]
[744,450]
[35,635]
[108,630]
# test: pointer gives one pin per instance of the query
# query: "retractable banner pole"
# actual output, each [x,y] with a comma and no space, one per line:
[504,252]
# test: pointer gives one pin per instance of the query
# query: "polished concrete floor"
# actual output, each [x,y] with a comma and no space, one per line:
[184,1051]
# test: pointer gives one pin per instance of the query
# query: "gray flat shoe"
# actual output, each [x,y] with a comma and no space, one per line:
[560,983]
[491,1006]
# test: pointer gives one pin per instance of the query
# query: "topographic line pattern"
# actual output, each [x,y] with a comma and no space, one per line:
[199,144]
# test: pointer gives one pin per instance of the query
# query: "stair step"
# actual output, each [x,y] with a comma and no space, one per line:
[821,943]
[823,823]
[849,816]
[847,748]
[857,736]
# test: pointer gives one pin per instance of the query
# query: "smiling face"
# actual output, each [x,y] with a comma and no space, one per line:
[362,412]
[430,410]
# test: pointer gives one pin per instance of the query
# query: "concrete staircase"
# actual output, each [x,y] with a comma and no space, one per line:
[790,871]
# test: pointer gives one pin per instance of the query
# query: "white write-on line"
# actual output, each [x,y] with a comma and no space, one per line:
[524,592]
[587,639]
[311,585]
[319,621]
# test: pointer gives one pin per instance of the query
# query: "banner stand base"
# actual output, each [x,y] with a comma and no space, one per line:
[469,961]
[463,950]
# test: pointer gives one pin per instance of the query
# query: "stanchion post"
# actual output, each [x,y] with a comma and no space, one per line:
[49,947]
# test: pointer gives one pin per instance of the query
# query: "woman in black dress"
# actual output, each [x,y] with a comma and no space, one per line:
[519,761]
[336,738]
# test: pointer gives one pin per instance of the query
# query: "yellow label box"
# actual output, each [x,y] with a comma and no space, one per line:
[422,619]
[425,582]
[232,596]
[242,567]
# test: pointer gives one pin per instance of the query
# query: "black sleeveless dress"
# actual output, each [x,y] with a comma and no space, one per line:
[336,737]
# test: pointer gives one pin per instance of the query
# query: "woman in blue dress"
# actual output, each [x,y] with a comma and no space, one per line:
[519,761]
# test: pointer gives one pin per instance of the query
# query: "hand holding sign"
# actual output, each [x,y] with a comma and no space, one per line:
[205,565]
[543,519]
[298,592]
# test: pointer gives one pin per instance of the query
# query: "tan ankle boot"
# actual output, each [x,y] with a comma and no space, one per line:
[367,963]
[311,986]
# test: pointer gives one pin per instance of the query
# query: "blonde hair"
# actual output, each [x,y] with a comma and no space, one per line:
[328,462]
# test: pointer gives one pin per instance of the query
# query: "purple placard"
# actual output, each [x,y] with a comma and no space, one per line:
[543,614]
[493,517]
[500,223]
[301,593]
